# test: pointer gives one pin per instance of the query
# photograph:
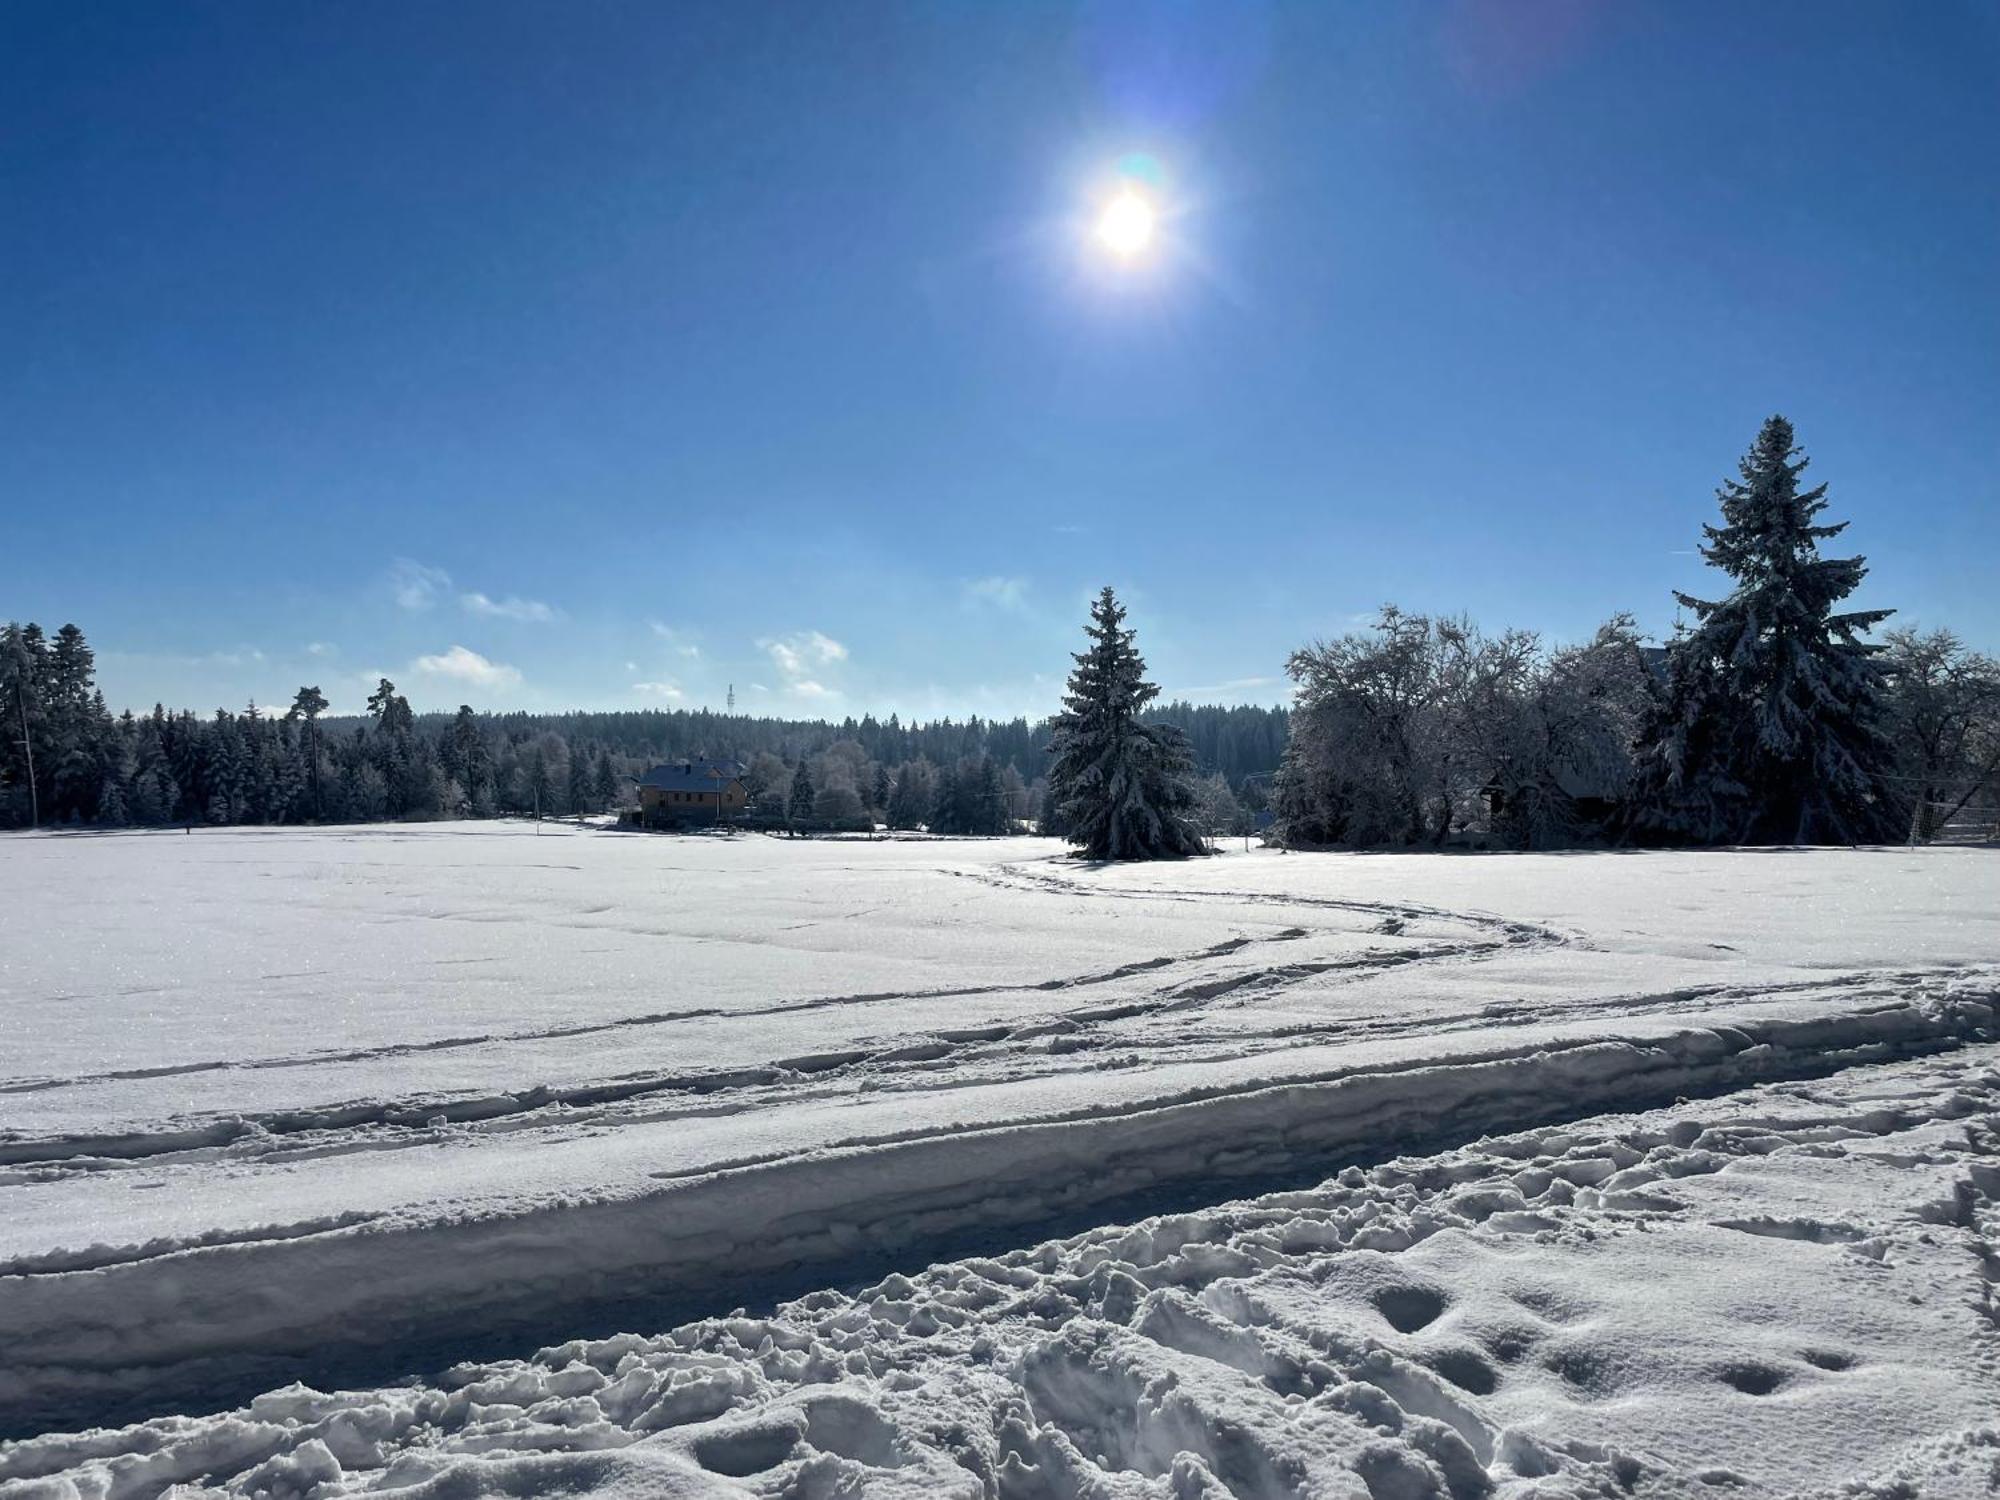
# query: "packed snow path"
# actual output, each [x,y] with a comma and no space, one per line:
[274,1102]
[1783,1292]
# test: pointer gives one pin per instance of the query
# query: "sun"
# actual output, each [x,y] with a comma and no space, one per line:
[1127,223]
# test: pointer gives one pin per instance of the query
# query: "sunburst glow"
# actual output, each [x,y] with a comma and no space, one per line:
[1127,224]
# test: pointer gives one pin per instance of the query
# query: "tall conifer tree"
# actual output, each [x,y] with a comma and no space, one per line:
[800,808]
[1769,729]
[1123,789]
[604,784]
[307,705]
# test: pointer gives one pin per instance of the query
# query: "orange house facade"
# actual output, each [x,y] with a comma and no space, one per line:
[692,791]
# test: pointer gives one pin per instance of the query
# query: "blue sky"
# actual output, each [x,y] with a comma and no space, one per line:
[608,355]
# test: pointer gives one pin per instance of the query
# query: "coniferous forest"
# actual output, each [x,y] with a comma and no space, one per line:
[292,763]
[1772,718]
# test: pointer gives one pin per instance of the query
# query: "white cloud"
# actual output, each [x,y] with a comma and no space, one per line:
[678,639]
[797,654]
[416,586]
[998,592]
[671,691]
[528,611]
[463,665]
[322,648]
[811,689]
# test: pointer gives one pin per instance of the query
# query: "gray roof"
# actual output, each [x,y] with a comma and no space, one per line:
[692,775]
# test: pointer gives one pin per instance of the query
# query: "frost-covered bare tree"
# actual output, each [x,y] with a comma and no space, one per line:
[768,779]
[1422,726]
[1563,761]
[836,797]
[1360,754]
[1220,813]
[1944,715]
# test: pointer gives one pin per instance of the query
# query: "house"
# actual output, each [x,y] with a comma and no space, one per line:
[692,791]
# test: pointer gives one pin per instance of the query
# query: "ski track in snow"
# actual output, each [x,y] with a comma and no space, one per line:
[1109,1041]
[1801,1273]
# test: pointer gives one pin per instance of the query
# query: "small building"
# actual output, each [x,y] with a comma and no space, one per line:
[692,791]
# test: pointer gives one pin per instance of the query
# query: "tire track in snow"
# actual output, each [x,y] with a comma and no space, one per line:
[919,1062]
[938,1049]
[1507,930]
[1008,877]
[189,1325]
[655,1018]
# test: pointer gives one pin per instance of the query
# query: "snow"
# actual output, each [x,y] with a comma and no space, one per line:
[1786,1290]
[338,1105]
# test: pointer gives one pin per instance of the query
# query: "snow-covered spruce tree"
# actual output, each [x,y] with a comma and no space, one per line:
[1769,728]
[799,809]
[604,784]
[1122,789]
[914,795]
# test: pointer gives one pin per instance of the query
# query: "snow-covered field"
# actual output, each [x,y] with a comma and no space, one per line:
[342,1106]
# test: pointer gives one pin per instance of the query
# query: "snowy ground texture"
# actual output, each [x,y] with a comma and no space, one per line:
[334,1106]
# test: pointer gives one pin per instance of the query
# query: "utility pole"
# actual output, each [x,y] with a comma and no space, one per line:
[28,745]
[732,697]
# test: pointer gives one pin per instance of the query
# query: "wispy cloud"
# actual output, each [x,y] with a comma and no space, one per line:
[680,640]
[798,654]
[1225,689]
[671,691]
[997,592]
[240,656]
[418,586]
[802,691]
[322,649]
[463,665]
[415,585]
[527,611]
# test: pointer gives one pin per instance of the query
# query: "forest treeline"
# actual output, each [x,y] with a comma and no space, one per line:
[295,763]
[1770,716]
